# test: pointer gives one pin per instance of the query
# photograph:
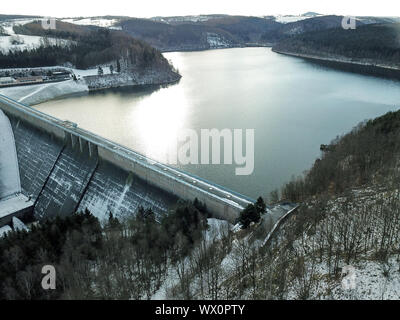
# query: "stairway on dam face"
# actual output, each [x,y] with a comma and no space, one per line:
[115,190]
[66,184]
[37,155]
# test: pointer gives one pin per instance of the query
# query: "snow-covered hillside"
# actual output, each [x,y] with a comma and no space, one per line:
[288,19]
[22,42]
[198,18]
[342,252]
[93,21]
[217,41]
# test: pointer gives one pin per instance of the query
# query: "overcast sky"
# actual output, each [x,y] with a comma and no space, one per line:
[151,8]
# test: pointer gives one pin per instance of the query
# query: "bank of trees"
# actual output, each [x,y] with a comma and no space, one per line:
[368,154]
[2,31]
[252,213]
[305,259]
[376,43]
[349,215]
[122,259]
[87,47]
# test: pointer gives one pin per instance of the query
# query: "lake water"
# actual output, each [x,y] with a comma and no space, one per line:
[293,105]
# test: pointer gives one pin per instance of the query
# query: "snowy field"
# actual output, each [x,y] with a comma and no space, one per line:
[27,42]
[168,20]
[289,19]
[99,22]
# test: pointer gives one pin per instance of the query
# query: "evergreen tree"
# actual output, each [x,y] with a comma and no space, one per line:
[260,205]
[248,215]
[112,221]
[118,66]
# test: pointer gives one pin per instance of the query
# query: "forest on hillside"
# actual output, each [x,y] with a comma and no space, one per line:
[119,259]
[375,43]
[2,31]
[349,215]
[369,154]
[88,47]
[292,29]
[235,31]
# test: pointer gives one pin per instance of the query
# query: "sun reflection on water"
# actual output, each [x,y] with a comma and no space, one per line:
[159,119]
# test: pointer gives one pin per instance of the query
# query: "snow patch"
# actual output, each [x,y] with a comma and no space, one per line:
[99,22]
[4,230]
[288,19]
[217,41]
[19,225]
[26,42]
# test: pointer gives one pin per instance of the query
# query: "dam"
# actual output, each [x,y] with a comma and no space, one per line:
[60,168]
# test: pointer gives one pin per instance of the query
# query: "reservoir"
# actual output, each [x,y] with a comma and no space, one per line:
[293,106]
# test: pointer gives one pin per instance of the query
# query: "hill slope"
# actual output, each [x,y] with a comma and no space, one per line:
[219,31]
[346,228]
[374,44]
[91,46]
[211,32]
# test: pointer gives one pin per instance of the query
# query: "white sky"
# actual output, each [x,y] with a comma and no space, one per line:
[151,8]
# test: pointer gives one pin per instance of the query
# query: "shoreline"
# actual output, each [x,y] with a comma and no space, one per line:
[138,86]
[36,94]
[40,93]
[247,45]
[377,70]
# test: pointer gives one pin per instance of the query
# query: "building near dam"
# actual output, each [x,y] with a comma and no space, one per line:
[6,81]
[51,167]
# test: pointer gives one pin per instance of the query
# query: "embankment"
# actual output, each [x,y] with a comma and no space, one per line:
[347,64]
[142,78]
[39,93]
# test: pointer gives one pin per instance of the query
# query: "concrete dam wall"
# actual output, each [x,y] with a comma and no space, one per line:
[61,178]
[64,169]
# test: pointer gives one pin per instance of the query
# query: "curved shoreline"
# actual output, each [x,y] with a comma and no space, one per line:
[133,85]
[377,70]
[246,45]
[40,93]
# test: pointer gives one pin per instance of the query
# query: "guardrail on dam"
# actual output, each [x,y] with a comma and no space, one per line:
[65,168]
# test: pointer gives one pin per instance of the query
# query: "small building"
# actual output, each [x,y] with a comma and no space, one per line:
[60,75]
[4,81]
[33,79]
